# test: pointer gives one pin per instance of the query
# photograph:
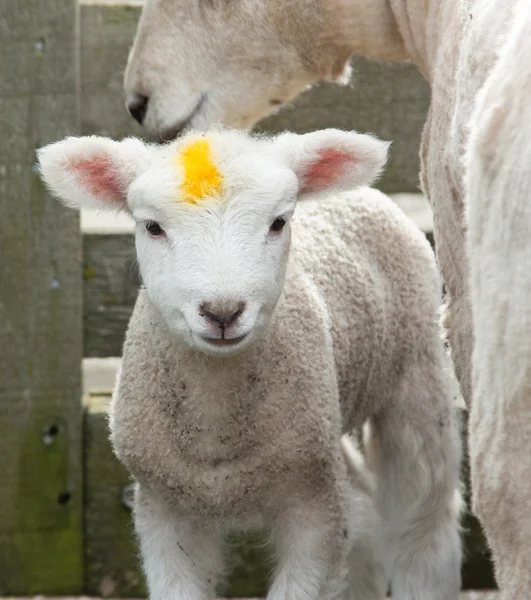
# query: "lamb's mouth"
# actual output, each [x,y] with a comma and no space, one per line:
[224,342]
[175,130]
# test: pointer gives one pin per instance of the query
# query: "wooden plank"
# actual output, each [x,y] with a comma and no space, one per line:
[107,31]
[111,565]
[111,283]
[388,99]
[40,308]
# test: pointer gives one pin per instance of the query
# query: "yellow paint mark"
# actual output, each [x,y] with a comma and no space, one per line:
[201,176]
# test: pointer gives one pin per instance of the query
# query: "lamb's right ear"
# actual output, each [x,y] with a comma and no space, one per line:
[332,159]
[92,172]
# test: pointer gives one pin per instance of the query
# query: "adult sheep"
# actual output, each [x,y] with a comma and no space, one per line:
[238,381]
[194,63]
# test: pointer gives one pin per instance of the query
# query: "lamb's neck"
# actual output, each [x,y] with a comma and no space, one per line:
[206,378]
[393,29]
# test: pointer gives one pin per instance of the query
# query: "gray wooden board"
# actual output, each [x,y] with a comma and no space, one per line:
[110,288]
[111,557]
[40,308]
[387,99]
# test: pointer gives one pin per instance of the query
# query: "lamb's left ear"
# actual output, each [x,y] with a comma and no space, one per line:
[332,159]
[92,172]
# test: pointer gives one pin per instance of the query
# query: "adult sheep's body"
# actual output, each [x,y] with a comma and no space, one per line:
[246,57]
[224,433]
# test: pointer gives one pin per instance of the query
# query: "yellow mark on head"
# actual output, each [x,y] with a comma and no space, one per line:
[201,176]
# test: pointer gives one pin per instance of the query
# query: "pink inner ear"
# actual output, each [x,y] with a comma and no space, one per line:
[99,176]
[327,169]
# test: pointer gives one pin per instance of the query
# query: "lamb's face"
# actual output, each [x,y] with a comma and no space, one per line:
[194,63]
[212,216]
[214,267]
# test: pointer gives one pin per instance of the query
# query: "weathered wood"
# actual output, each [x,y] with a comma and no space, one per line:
[107,31]
[40,308]
[390,100]
[111,277]
[111,565]
[111,282]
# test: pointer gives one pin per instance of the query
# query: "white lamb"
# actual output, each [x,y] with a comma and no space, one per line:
[246,361]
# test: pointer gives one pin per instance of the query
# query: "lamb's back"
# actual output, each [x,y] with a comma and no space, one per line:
[376,272]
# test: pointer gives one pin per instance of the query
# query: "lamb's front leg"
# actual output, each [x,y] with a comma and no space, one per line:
[311,552]
[182,558]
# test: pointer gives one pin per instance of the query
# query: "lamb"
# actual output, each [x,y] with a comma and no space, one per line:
[234,62]
[262,336]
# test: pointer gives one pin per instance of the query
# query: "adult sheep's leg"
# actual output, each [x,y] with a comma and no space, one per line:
[499,217]
[367,578]
[414,449]
[182,558]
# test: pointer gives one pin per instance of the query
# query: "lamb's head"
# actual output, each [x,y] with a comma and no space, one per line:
[194,63]
[212,216]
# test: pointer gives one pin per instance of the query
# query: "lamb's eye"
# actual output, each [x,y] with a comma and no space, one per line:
[277,225]
[154,229]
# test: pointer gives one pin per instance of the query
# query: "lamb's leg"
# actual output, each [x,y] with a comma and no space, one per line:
[499,216]
[182,558]
[414,447]
[311,550]
[367,578]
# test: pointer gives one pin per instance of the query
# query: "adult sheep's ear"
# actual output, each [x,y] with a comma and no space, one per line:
[332,159]
[92,172]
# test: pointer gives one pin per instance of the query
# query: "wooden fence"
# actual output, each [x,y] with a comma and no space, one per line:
[65,294]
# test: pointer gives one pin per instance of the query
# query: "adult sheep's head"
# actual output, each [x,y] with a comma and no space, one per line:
[198,62]
[231,62]
[212,215]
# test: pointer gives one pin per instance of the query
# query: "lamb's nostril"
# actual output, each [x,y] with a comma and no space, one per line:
[222,314]
[137,106]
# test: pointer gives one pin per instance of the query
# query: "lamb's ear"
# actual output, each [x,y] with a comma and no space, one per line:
[92,172]
[332,159]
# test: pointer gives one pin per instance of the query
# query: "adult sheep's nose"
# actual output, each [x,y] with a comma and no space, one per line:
[137,106]
[222,314]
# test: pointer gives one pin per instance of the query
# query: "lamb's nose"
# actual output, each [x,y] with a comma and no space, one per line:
[222,314]
[137,106]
